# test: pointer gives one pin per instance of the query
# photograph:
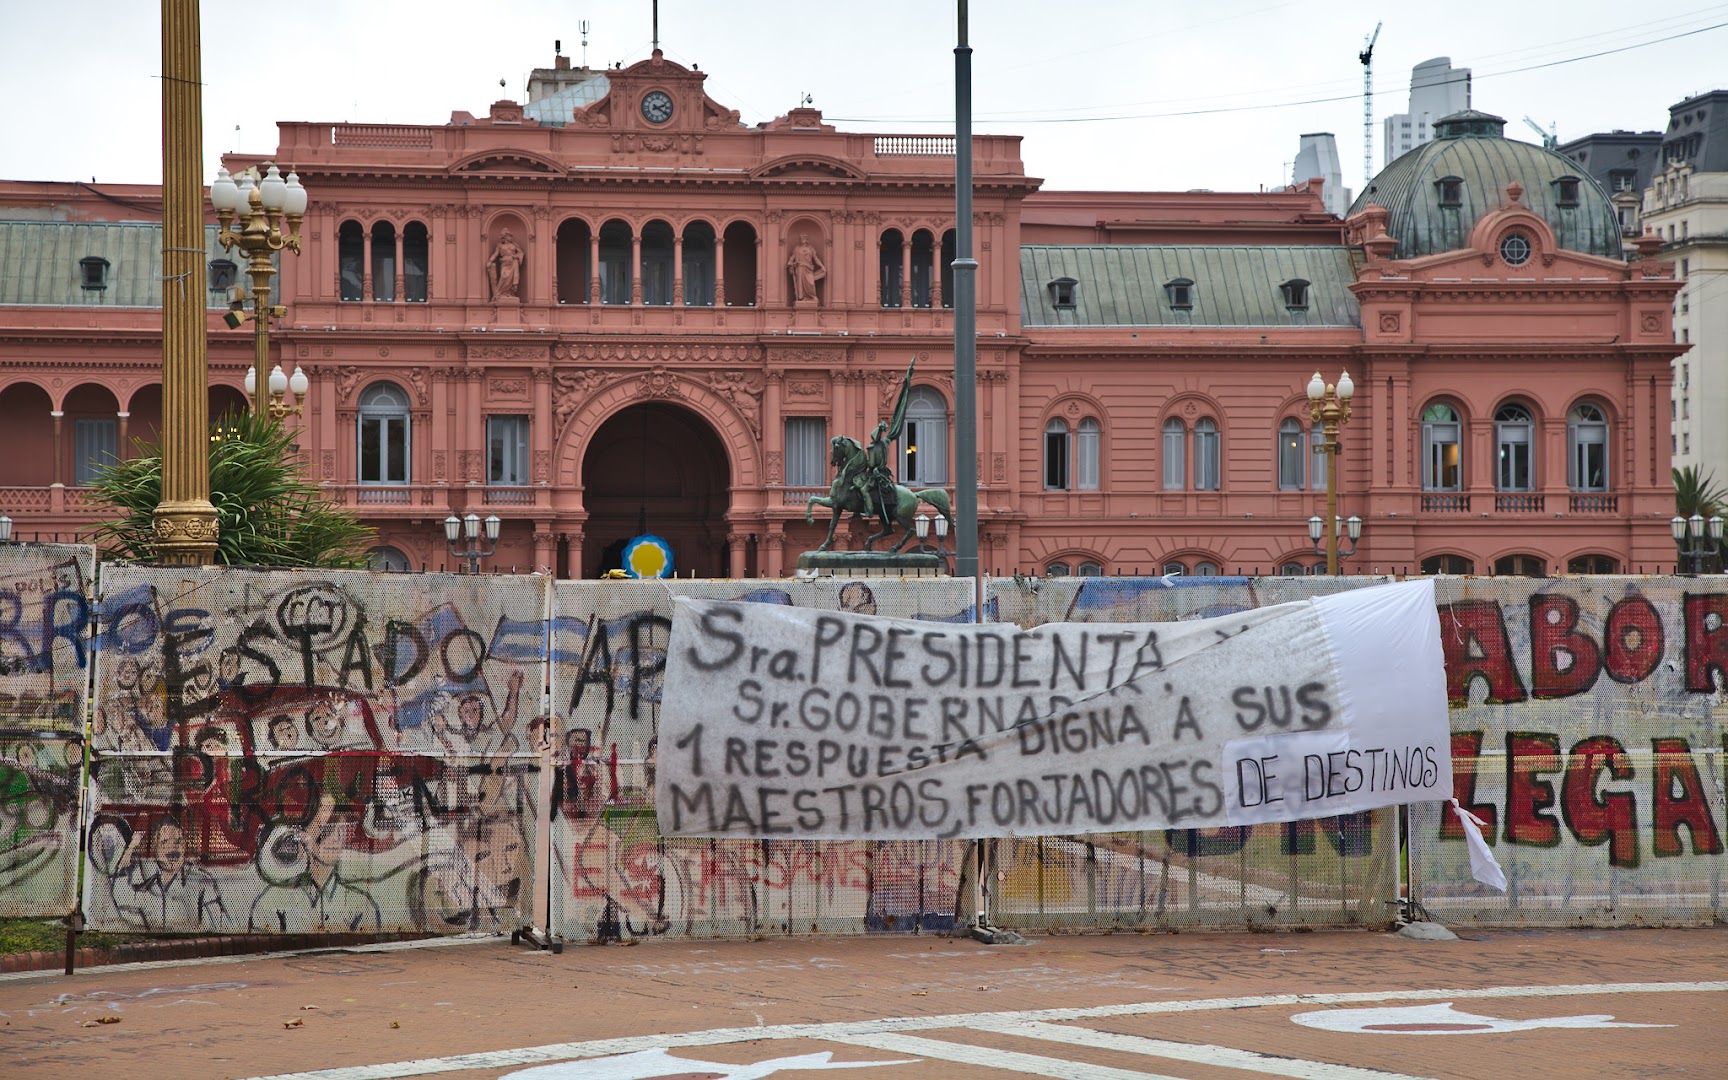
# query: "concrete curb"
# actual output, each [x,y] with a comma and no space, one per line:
[191,949]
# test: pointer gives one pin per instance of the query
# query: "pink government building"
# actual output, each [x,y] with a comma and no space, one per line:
[580,314]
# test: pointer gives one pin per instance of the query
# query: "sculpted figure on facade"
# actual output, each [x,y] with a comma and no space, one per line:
[806,269]
[504,268]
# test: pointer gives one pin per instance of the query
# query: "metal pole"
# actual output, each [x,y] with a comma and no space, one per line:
[1331,526]
[965,327]
[185,519]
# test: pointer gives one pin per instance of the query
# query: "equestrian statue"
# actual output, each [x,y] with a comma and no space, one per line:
[864,484]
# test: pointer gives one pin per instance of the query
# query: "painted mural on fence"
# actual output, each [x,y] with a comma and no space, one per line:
[615,876]
[44,679]
[1588,730]
[295,751]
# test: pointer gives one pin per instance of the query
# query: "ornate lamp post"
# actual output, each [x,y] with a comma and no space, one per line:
[468,529]
[1330,406]
[1690,535]
[279,383]
[1354,525]
[252,216]
[5,529]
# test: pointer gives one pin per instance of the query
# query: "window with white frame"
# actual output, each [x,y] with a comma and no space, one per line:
[384,435]
[507,450]
[1205,569]
[1317,461]
[1292,454]
[1441,455]
[1057,450]
[1173,567]
[1090,569]
[1513,436]
[806,451]
[1175,455]
[1058,569]
[1208,454]
[924,443]
[95,443]
[1587,442]
[1086,450]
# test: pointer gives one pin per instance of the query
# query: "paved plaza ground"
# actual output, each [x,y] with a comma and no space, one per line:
[1323,1006]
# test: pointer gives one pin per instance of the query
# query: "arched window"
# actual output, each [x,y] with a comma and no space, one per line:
[1091,569]
[924,443]
[890,248]
[1175,455]
[1086,450]
[1173,567]
[1058,448]
[385,557]
[699,264]
[1448,564]
[416,256]
[1593,564]
[1205,569]
[1521,566]
[1208,464]
[1317,461]
[1057,569]
[1295,569]
[1292,452]
[383,262]
[923,262]
[384,435]
[1587,448]
[657,264]
[946,276]
[1513,429]
[615,259]
[351,256]
[1441,458]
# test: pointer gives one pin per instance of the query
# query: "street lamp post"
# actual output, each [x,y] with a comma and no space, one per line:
[279,383]
[258,213]
[1330,406]
[467,529]
[1698,540]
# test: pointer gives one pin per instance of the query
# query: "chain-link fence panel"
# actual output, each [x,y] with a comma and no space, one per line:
[614,875]
[1588,721]
[284,752]
[1334,872]
[45,592]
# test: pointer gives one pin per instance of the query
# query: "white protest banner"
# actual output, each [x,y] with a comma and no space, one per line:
[794,723]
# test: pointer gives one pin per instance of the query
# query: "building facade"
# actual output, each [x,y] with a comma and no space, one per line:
[1437,89]
[1622,162]
[646,317]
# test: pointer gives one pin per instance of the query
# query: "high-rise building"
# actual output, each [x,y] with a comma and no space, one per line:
[1686,206]
[1318,159]
[1437,89]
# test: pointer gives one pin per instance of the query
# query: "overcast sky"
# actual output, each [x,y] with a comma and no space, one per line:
[1098,88]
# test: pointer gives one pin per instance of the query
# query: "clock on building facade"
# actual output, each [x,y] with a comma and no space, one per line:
[656,107]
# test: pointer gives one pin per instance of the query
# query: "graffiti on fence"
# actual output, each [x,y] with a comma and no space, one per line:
[286,753]
[44,679]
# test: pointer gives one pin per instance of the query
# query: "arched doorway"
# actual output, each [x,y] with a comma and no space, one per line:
[661,469]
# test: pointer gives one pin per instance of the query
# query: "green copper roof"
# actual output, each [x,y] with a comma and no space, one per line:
[39,263]
[1128,285]
[1473,151]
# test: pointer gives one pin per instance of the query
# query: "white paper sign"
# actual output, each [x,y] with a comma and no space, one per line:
[789,722]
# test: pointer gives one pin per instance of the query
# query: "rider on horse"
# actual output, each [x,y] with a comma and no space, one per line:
[875,482]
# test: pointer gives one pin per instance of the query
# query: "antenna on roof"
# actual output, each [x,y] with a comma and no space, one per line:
[584,27]
[805,99]
[656,25]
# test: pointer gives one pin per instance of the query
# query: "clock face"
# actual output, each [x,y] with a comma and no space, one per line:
[656,107]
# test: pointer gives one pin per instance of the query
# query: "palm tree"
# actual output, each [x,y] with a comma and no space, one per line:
[1697,493]
[267,512]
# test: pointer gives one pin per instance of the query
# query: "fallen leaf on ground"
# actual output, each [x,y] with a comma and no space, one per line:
[920,993]
[303,1007]
[395,1024]
[294,1023]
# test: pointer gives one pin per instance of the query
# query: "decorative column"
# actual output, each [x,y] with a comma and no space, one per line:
[773,432]
[545,546]
[635,267]
[401,276]
[774,551]
[735,553]
[573,551]
[906,273]
[366,265]
[720,271]
[185,519]
[474,429]
[678,270]
[59,448]
[120,447]
[593,268]
[761,294]
[542,439]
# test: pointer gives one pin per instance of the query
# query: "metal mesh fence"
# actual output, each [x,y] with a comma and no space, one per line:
[1588,726]
[292,751]
[44,685]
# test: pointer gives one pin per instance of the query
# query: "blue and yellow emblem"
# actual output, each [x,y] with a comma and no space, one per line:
[648,556]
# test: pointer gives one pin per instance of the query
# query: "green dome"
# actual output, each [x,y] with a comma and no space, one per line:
[1472,154]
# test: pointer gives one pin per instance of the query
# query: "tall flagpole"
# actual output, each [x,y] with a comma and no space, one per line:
[965,329]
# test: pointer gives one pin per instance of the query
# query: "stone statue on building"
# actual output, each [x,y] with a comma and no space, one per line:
[806,269]
[504,268]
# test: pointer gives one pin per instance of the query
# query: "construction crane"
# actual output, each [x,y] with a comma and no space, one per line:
[1550,135]
[1367,58]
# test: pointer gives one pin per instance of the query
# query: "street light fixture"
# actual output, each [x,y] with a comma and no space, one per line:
[5,529]
[279,382]
[1330,406]
[1698,539]
[468,529]
[265,216]
[1351,528]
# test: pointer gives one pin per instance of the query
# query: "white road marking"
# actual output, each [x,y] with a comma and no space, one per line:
[535,1055]
[1198,1053]
[1443,1019]
[992,1058]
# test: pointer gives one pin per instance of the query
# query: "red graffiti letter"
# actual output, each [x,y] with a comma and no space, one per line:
[1466,751]
[1529,753]
[1706,642]
[1612,817]
[1473,633]
[1679,800]
[1563,660]
[1632,640]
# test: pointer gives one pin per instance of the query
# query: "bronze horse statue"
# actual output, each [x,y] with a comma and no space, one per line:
[843,496]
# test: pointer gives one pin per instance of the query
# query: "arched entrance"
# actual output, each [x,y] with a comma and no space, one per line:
[661,469]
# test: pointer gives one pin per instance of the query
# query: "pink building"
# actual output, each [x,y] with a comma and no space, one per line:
[581,314]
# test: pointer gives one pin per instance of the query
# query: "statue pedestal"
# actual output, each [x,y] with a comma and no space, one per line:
[506,313]
[806,315]
[860,564]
